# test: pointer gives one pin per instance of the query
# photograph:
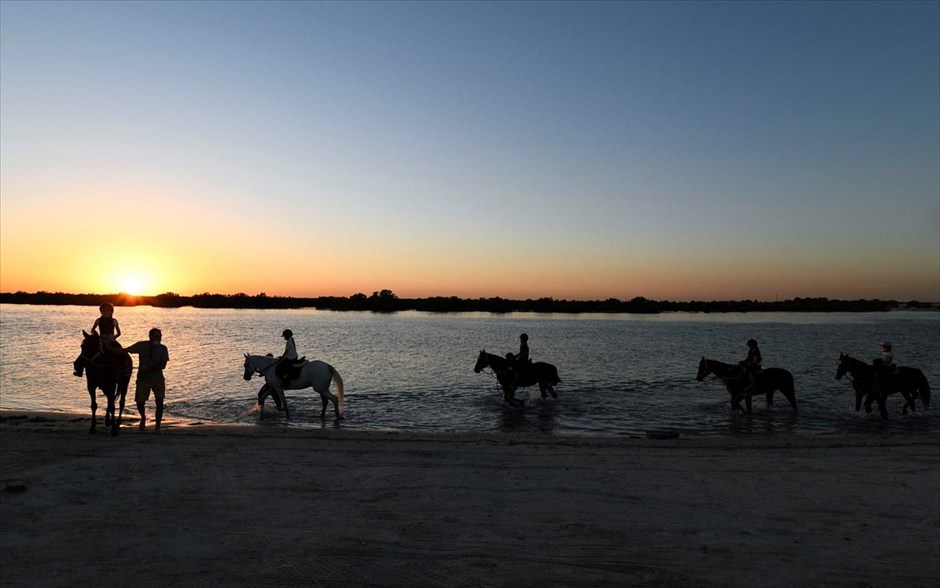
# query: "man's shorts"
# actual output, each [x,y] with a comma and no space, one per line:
[145,386]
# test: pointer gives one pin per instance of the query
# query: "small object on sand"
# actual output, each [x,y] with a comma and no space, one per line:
[14,486]
[662,434]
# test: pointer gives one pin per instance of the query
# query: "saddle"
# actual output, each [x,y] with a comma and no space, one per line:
[290,369]
[743,369]
[520,367]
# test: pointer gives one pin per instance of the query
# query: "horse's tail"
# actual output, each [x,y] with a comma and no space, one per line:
[339,386]
[555,378]
[924,386]
[787,387]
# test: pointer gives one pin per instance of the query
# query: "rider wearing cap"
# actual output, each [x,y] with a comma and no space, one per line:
[884,367]
[887,356]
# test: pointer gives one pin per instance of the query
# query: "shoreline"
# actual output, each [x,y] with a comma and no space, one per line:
[23,419]
[244,504]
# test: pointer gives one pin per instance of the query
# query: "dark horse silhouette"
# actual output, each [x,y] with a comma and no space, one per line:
[910,382]
[541,373]
[108,368]
[766,382]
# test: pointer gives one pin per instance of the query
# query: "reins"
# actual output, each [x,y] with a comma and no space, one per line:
[261,371]
[492,373]
[849,374]
[94,358]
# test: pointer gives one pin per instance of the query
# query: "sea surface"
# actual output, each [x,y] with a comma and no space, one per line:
[412,371]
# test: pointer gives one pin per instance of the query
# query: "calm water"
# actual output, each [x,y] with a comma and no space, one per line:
[621,375]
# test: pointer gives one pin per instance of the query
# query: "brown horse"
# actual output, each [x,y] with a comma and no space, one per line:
[766,382]
[541,373]
[108,368]
[910,382]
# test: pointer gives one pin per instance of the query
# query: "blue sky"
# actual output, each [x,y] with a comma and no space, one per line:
[576,150]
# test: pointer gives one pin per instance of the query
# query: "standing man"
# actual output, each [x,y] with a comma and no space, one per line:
[153,357]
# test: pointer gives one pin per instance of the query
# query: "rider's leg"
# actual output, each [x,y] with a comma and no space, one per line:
[159,394]
[750,382]
[141,396]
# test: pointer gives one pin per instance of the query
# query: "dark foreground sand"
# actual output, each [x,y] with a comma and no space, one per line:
[265,506]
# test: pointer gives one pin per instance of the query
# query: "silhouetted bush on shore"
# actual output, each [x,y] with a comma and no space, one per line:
[388,301]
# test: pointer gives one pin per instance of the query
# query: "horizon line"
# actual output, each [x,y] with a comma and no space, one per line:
[391,294]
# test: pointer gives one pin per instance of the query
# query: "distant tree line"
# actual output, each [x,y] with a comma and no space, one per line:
[388,301]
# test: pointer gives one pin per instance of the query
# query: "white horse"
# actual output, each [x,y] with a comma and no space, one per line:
[317,374]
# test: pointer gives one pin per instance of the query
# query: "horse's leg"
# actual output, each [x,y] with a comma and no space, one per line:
[737,395]
[542,390]
[94,411]
[908,401]
[790,393]
[111,410]
[323,402]
[109,407]
[279,393]
[747,400]
[882,405]
[123,397]
[332,398]
[123,384]
[513,401]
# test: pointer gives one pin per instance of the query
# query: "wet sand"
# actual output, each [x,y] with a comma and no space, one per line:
[202,505]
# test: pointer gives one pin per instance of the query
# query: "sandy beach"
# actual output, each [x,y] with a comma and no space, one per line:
[267,505]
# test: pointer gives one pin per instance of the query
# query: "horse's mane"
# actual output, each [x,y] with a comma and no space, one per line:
[846,356]
[721,363]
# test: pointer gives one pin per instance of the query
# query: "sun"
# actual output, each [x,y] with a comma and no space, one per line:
[134,283]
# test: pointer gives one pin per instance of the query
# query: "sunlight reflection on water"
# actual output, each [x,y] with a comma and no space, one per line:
[621,374]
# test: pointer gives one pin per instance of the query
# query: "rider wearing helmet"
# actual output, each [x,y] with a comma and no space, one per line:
[520,361]
[523,354]
[286,358]
[290,348]
[751,364]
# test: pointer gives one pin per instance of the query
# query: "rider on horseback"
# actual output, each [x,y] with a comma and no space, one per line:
[288,359]
[884,367]
[519,361]
[751,364]
[107,327]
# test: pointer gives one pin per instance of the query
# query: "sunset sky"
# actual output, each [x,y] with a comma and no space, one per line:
[675,151]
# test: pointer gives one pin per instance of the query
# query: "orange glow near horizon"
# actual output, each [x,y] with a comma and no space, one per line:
[190,245]
[188,269]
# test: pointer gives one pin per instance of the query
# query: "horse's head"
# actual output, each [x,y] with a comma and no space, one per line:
[481,362]
[843,366]
[250,369]
[702,369]
[91,346]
